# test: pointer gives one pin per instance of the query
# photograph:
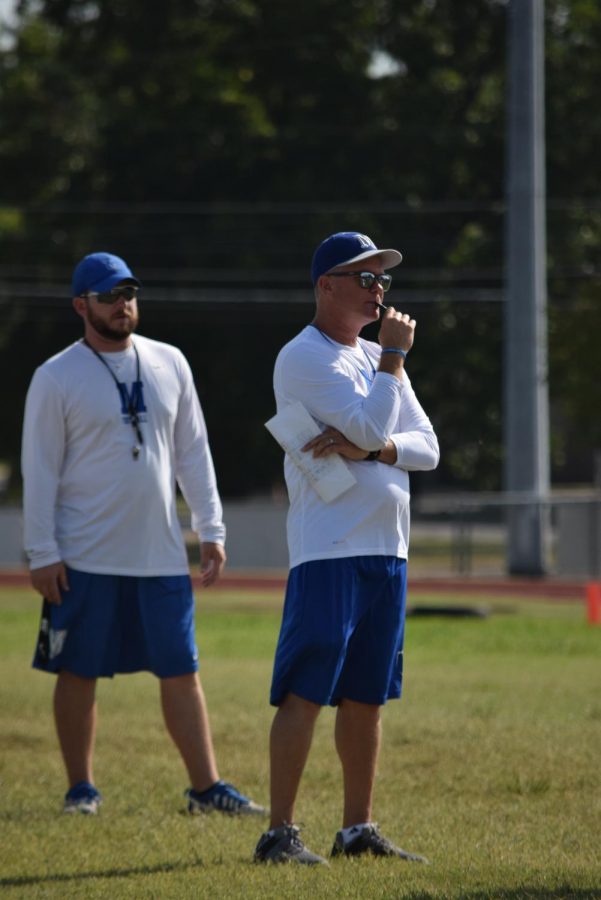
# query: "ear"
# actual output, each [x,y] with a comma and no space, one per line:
[324,284]
[79,305]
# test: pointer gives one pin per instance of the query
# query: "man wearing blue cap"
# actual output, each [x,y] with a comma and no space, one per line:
[341,638]
[111,425]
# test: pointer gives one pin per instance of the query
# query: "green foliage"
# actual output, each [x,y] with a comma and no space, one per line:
[467,340]
[121,120]
[11,221]
[489,765]
[577,369]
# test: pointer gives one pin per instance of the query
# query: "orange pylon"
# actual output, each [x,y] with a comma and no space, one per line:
[593,603]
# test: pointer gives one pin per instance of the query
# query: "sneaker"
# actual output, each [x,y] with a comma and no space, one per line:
[84,798]
[283,845]
[224,798]
[369,840]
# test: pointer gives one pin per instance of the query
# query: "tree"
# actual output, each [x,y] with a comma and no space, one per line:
[216,143]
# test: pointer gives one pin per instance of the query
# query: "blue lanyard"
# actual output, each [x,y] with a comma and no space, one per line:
[132,411]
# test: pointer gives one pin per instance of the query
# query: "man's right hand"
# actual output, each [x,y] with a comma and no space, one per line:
[396,330]
[49,581]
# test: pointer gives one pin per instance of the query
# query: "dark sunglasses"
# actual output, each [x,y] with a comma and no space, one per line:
[366,279]
[127,291]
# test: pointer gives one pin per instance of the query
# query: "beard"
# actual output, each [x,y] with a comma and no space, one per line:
[115,329]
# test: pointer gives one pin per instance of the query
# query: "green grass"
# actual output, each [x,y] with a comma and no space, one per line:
[490,766]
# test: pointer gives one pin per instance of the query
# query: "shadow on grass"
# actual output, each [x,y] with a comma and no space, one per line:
[24,880]
[565,892]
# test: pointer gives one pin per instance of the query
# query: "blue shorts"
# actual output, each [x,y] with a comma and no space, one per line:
[115,623]
[342,631]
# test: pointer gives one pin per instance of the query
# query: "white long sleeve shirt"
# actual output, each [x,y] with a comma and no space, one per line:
[87,501]
[340,387]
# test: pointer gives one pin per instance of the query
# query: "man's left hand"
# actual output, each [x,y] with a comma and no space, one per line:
[333,441]
[212,561]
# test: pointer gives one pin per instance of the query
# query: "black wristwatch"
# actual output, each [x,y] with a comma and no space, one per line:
[372,455]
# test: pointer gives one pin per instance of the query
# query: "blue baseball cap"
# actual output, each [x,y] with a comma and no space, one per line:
[347,247]
[100,272]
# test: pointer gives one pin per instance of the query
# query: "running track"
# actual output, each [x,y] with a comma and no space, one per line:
[536,588]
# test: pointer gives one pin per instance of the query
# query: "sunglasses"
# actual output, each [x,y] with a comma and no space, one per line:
[366,279]
[127,291]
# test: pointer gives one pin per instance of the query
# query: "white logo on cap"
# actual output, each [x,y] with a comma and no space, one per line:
[365,241]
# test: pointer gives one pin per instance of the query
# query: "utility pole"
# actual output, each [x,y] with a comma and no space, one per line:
[527,473]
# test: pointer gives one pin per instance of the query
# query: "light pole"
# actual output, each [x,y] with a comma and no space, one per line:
[525,378]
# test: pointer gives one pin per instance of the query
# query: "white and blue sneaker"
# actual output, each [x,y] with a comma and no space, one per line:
[222,797]
[83,798]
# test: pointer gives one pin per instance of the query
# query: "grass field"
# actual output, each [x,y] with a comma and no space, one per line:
[490,766]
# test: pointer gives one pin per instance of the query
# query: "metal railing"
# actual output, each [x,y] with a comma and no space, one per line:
[477,526]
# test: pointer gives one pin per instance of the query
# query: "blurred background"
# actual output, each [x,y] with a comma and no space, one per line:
[214,143]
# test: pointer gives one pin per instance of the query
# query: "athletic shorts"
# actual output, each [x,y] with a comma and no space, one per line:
[109,624]
[342,631]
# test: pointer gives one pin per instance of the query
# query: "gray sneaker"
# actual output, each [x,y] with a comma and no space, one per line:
[369,840]
[225,798]
[283,845]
